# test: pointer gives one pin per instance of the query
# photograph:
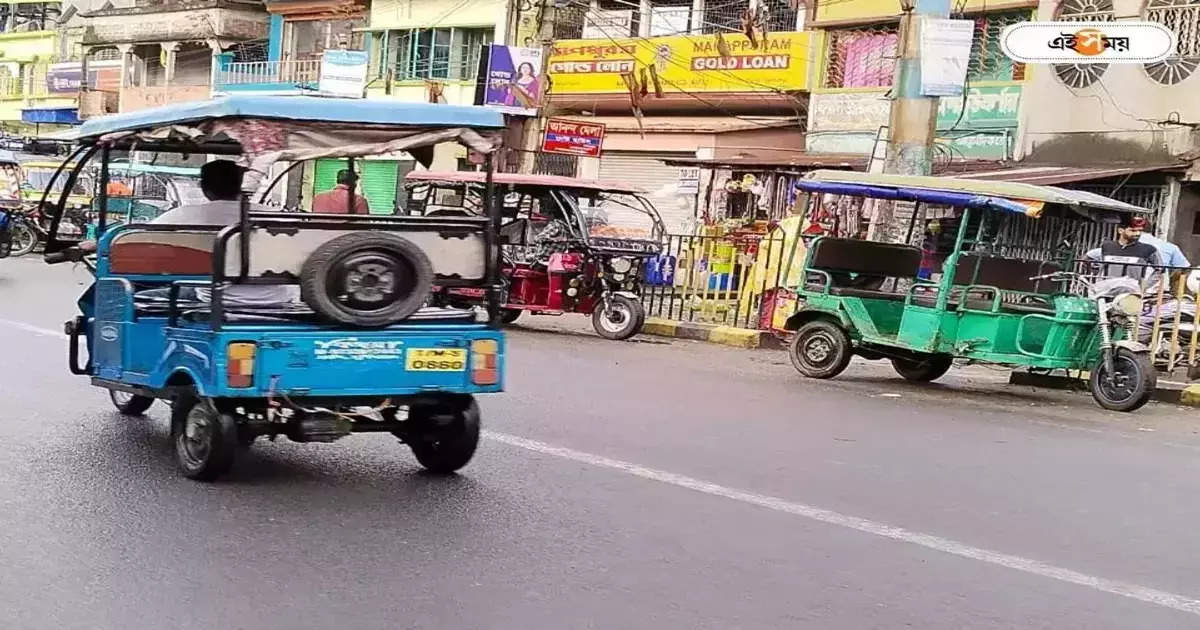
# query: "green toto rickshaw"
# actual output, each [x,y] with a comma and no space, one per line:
[868,298]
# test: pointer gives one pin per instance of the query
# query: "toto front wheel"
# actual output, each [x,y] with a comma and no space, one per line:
[1131,384]
[367,279]
[623,318]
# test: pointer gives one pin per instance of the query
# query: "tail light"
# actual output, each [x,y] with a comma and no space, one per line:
[484,358]
[239,370]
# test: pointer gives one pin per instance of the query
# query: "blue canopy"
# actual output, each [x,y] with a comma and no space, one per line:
[943,197]
[299,108]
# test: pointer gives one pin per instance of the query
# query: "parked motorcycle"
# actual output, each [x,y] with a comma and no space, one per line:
[30,228]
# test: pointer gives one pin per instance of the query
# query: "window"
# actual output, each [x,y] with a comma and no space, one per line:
[724,16]
[1182,17]
[29,16]
[862,57]
[1081,75]
[437,53]
[988,61]
[309,39]
[782,15]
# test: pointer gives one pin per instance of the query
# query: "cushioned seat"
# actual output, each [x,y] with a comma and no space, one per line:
[856,268]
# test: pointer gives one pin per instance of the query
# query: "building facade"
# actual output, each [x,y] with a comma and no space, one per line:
[674,80]
[164,52]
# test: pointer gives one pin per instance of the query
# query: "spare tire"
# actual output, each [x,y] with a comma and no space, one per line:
[366,279]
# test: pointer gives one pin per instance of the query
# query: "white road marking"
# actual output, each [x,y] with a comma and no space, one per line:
[937,543]
[37,330]
[929,541]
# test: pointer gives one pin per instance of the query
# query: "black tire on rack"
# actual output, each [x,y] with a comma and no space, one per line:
[367,279]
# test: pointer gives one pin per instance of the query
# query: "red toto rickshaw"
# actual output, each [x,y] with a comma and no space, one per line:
[570,245]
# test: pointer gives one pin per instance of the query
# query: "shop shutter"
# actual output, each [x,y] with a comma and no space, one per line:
[660,182]
[377,179]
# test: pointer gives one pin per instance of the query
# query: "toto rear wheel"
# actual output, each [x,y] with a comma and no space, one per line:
[205,439]
[443,436]
[925,370]
[820,349]
[367,279]
[130,404]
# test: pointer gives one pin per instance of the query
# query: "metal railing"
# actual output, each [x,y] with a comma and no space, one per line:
[719,279]
[287,72]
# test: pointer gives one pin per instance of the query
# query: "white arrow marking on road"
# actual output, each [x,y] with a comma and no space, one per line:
[937,543]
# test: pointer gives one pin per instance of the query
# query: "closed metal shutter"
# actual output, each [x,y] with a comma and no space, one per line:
[376,179]
[661,183]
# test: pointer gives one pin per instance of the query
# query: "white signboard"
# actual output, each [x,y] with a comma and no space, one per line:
[945,50]
[343,73]
[689,180]
[666,21]
[602,24]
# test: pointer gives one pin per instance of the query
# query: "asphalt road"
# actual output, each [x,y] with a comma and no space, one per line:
[645,484]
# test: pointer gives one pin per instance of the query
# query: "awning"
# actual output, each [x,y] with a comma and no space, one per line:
[798,161]
[1052,175]
[51,115]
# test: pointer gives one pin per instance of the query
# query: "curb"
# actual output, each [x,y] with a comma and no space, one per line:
[711,333]
[1167,391]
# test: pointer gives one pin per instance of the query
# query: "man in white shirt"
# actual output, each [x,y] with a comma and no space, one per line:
[221,183]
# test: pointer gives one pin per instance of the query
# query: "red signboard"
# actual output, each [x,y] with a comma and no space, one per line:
[573,137]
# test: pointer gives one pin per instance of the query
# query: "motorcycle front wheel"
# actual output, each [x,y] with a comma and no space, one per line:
[1129,387]
[24,238]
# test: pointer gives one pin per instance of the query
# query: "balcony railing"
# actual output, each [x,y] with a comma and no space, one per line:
[251,75]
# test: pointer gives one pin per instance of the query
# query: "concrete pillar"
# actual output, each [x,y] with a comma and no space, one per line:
[126,51]
[697,23]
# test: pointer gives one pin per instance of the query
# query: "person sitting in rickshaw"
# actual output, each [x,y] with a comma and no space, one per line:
[221,183]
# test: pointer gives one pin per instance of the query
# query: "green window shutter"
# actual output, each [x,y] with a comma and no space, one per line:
[378,181]
[376,178]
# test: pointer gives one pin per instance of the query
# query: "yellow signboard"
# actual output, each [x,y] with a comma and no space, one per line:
[687,63]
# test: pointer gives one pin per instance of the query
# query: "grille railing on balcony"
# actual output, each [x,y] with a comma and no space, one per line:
[286,72]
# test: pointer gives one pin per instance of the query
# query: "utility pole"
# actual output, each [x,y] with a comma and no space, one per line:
[531,132]
[913,119]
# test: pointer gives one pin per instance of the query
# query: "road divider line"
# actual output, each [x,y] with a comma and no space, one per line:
[1027,565]
[37,330]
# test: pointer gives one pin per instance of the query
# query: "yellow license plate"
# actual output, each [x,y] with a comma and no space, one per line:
[435,360]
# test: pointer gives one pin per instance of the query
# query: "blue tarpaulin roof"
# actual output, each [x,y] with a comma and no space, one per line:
[300,108]
[919,187]
[944,197]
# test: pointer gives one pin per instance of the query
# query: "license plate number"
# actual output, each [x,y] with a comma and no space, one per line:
[435,360]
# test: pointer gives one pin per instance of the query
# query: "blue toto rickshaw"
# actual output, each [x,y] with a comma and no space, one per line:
[361,353]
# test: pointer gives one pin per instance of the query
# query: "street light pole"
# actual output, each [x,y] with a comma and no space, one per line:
[913,118]
[531,133]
